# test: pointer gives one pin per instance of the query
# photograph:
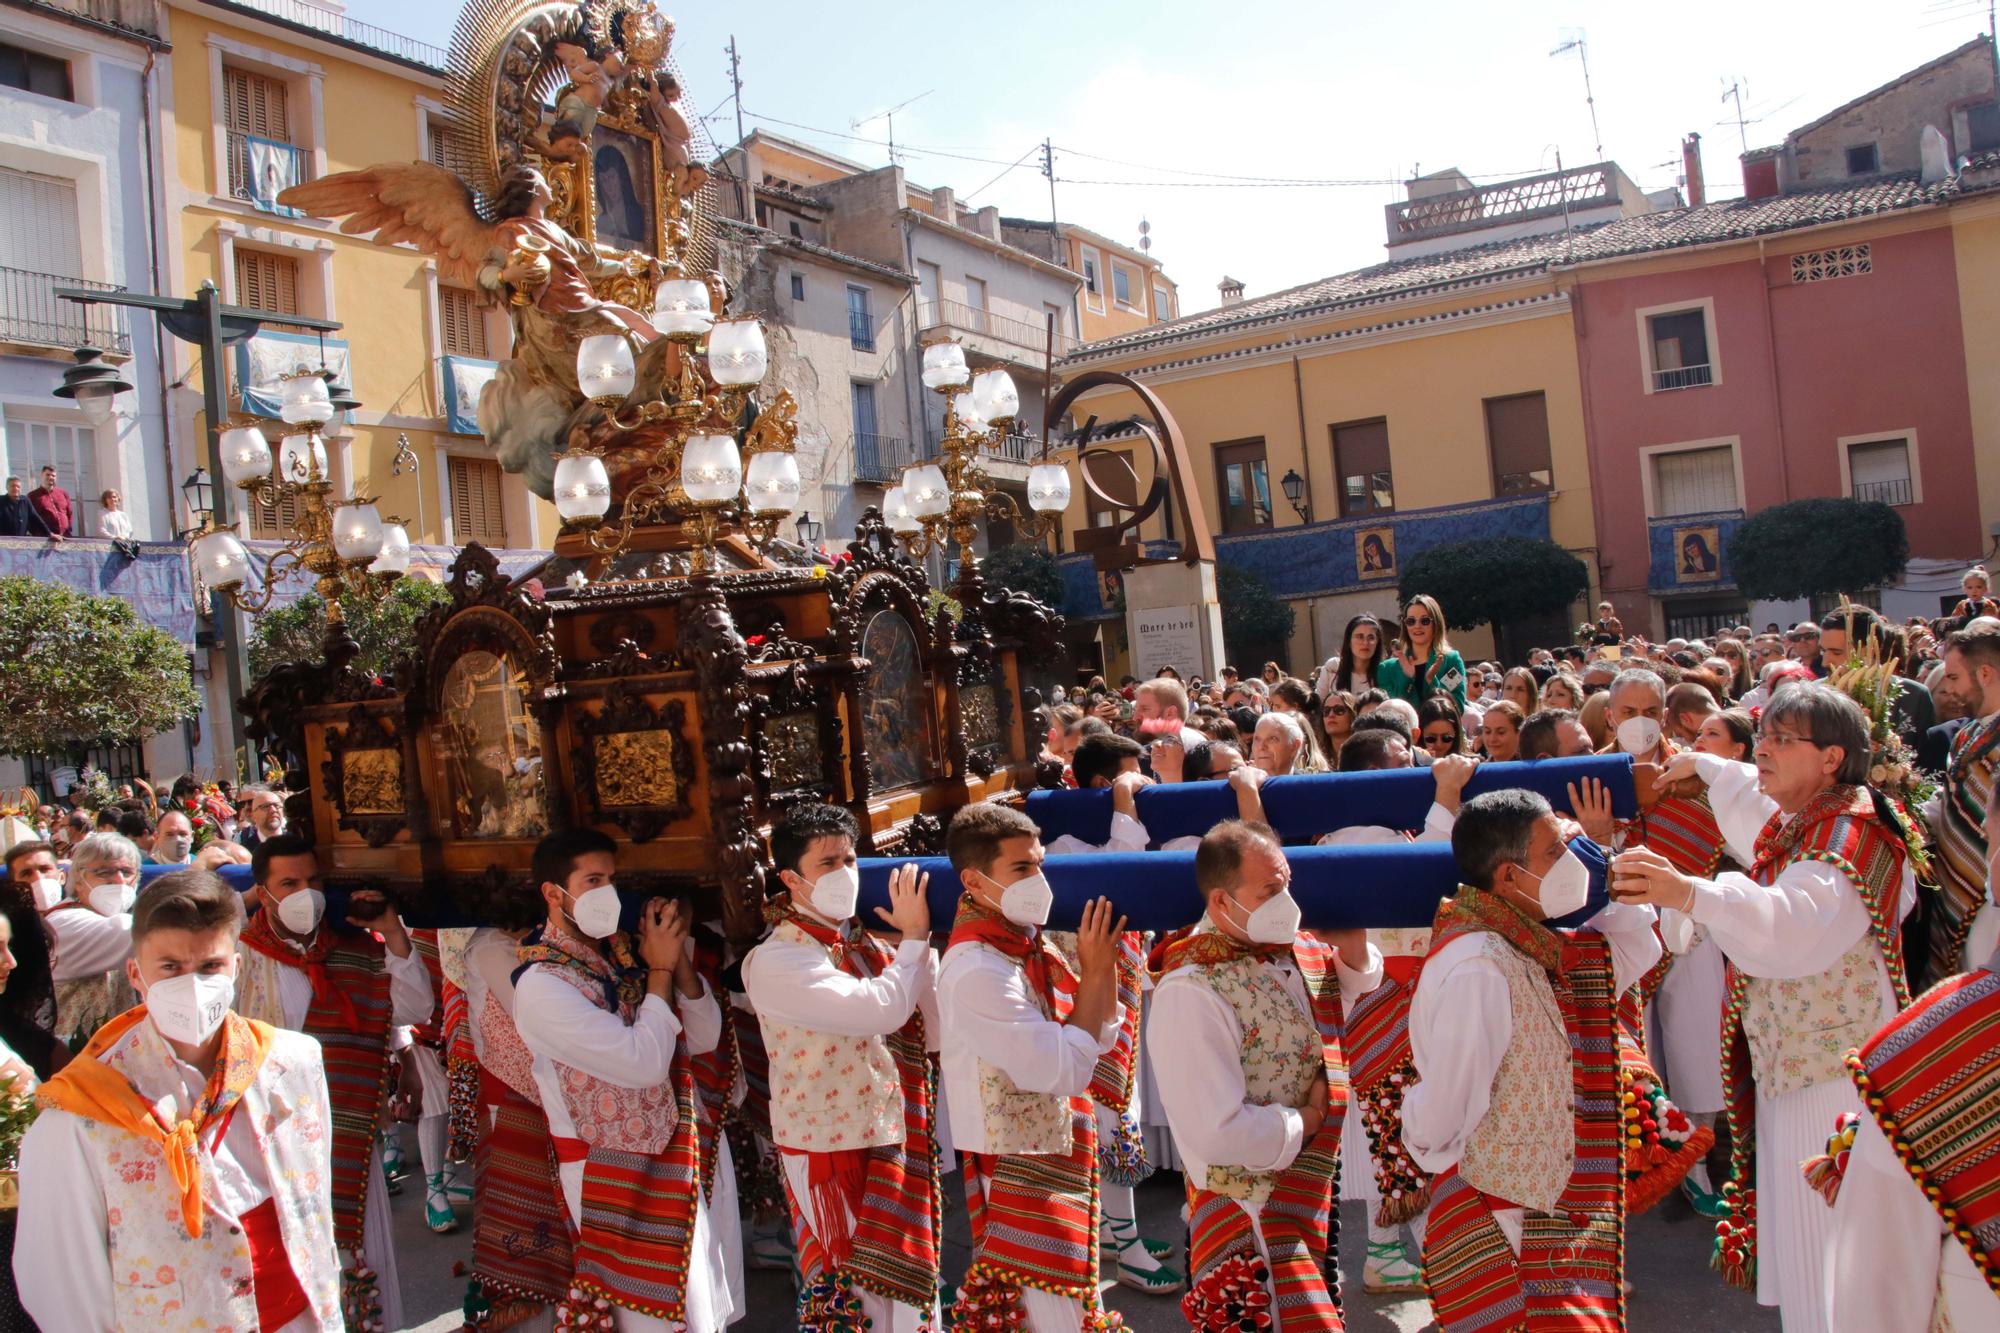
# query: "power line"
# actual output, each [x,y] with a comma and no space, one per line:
[1005,171]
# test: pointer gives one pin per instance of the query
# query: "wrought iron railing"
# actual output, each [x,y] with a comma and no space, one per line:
[298,164]
[1683,377]
[1027,333]
[1521,200]
[31,314]
[880,459]
[336,24]
[860,331]
[1897,492]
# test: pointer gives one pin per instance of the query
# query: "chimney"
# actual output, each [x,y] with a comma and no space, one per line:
[944,205]
[987,222]
[1760,173]
[1232,291]
[1697,189]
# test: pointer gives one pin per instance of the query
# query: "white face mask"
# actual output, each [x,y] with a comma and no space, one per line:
[113,899]
[172,851]
[1026,902]
[48,891]
[1565,886]
[300,912]
[1273,921]
[596,911]
[1638,735]
[189,1008]
[835,894]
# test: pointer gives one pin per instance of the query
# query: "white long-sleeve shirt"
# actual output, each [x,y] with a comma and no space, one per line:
[1199,1071]
[1890,1259]
[87,943]
[410,995]
[1461,1021]
[1127,835]
[1797,926]
[491,956]
[987,1013]
[798,984]
[62,1267]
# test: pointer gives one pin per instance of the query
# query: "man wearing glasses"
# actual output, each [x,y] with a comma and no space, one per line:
[1814,962]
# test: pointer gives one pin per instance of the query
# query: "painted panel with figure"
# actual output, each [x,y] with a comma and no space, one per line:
[622,173]
[491,750]
[897,723]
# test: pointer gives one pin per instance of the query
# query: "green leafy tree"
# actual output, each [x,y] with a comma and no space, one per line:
[383,631]
[1496,579]
[1818,548]
[1026,567]
[83,670]
[1256,623]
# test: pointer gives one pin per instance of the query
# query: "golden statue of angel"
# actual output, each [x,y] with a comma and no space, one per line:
[522,258]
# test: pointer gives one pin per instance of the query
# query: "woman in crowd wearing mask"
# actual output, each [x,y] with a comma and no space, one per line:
[1426,664]
[92,933]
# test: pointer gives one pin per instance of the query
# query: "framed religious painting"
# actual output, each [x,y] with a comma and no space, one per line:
[627,205]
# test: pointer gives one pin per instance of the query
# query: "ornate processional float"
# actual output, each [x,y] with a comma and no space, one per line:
[677,672]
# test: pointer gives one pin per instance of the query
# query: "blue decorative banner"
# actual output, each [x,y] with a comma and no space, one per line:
[1689,552]
[464,379]
[263,362]
[157,584]
[1320,559]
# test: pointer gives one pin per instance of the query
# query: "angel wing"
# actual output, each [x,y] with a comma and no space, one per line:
[417,202]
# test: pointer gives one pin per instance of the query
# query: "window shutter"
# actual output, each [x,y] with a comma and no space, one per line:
[1361,458]
[256,104]
[463,328]
[279,522]
[265,281]
[439,141]
[1517,436]
[475,502]
[1694,481]
[38,227]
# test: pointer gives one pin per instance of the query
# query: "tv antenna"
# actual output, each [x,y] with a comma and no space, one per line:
[1581,45]
[1735,93]
[890,117]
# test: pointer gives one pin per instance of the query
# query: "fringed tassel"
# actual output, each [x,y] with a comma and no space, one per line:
[463,1084]
[360,1298]
[1121,1157]
[829,1305]
[987,1299]
[1404,1187]
[495,1311]
[1661,1143]
[1736,1238]
[1825,1172]
[1234,1295]
[1661,1179]
[587,1312]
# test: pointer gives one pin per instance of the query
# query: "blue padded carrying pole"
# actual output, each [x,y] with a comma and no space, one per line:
[1337,887]
[1305,806]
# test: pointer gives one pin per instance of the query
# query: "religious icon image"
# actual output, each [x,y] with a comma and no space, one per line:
[1696,558]
[896,722]
[623,167]
[495,770]
[1375,552]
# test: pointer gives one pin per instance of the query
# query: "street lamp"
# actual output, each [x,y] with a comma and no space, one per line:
[93,383]
[810,530]
[199,493]
[1294,487]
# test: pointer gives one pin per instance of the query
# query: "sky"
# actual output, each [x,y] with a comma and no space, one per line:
[1262,140]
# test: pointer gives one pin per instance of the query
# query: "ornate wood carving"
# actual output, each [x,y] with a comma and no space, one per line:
[487,611]
[611,633]
[708,640]
[632,763]
[365,778]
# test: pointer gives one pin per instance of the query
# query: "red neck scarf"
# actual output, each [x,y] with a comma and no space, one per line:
[260,935]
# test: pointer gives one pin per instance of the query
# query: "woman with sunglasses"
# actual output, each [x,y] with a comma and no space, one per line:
[1336,720]
[1426,664]
[1438,728]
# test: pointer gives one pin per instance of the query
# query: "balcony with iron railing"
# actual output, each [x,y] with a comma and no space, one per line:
[32,315]
[999,336]
[879,460]
[860,331]
[289,164]
[1683,377]
[1896,491]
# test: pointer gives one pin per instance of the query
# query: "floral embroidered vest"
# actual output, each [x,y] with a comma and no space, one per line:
[1017,1122]
[505,1054]
[830,1093]
[1800,1029]
[164,1280]
[602,1114]
[1282,1055]
[86,1004]
[1524,1148]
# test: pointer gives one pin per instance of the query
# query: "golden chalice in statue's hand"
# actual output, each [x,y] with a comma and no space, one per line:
[527,269]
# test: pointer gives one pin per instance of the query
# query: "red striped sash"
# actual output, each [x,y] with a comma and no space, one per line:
[1378,1047]
[521,1240]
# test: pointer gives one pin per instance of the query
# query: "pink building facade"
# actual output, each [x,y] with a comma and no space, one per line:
[1722,378]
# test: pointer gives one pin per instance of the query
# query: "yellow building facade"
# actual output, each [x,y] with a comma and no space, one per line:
[1975,229]
[1413,403]
[255,98]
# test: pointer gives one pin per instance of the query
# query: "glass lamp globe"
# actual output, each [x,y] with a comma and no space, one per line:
[1048,488]
[969,415]
[994,396]
[771,483]
[604,366]
[306,400]
[926,490]
[896,511]
[944,366]
[394,559]
[736,352]
[220,560]
[301,458]
[357,532]
[582,487]
[246,455]
[681,306]
[96,400]
[711,469]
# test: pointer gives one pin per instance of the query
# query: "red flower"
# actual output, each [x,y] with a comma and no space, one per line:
[755,640]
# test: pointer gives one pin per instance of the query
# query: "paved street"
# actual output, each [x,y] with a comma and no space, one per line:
[1673,1289]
